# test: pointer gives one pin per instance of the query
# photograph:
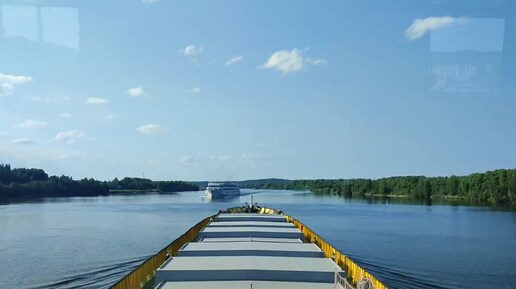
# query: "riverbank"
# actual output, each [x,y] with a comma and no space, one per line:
[496,187]
[26,183]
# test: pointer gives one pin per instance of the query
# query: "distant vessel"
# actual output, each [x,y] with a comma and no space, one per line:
[222,189]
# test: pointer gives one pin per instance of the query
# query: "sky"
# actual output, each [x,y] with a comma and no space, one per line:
[232,90]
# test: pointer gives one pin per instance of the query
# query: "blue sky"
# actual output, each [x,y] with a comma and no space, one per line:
[232,90]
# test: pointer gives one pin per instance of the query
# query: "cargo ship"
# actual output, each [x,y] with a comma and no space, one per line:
[249,247]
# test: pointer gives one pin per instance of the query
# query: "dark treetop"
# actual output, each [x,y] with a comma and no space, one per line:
[24,182]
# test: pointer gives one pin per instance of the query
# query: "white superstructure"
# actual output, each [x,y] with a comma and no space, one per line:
[222,189]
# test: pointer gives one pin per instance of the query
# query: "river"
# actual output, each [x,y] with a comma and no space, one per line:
[92,242]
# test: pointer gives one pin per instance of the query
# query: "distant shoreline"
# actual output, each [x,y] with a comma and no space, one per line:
[387,196]
[134,191]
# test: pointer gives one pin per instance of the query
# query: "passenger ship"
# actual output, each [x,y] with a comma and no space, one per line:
[221,190]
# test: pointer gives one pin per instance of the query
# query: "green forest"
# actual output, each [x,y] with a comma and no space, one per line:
[25,182]
[496,187]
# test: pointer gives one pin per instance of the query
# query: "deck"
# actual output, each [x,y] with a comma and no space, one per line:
[248,251]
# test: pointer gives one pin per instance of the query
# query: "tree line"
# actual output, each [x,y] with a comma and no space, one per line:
[142,184]
[497,187]
[30,182]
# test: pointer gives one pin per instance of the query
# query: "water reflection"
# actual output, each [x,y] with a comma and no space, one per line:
[39,200]
[21,200]
[228,199]
[46,25]
[378,200]
[471,56]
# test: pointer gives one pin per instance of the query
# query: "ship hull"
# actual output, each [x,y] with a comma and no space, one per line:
[242,246]
[221,194]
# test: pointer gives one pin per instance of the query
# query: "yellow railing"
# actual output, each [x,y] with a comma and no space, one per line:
[354,271]
[341,282]
[141,275]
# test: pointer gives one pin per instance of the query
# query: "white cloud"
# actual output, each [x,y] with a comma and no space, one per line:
[234,59]
[96,100]
[64,157]
[187,160]
[136,91]
[8,83]
[191,50]
[110,117]
[30,123]
[291,151]
[150,129]
[248,159]
[249,156]
[285,61]
[316,62]
[65,115]
[194,90]
[73,134]
[221,158]
[422,26]
[39,99]
[290,61]
[150,1]
[22,141]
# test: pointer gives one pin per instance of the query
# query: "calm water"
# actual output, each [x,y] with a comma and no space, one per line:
[92,242]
